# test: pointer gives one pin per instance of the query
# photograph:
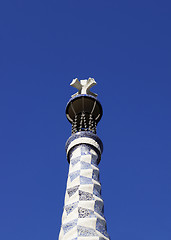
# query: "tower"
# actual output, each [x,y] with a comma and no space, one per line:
[83,213]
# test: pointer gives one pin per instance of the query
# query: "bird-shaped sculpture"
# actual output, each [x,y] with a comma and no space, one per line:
[83,86]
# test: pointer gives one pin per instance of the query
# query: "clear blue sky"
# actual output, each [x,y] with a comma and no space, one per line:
[126,47]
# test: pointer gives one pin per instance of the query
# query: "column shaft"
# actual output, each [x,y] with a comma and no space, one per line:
[83,214]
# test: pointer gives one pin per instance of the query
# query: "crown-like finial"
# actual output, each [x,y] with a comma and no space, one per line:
[83,86]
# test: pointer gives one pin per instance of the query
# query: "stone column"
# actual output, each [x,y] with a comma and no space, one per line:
[83,213]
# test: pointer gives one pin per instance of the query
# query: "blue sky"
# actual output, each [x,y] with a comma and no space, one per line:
[125,46]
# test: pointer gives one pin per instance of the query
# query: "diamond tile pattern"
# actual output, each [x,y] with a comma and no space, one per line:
[83,214]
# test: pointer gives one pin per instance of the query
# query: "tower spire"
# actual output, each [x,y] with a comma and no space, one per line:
[83,213]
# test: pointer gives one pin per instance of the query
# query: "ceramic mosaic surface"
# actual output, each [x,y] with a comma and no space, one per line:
[83,214]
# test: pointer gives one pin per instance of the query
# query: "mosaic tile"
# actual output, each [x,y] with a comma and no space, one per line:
[101,227]
[85,180]
[95,175]
[85,196]
[99,207]
[72,190]
[85,165]
[86,232]
[83,213]
[69,208]
[94,160]
[85,150]
[74,175]
[97,190]
[74,161]
[68,226]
